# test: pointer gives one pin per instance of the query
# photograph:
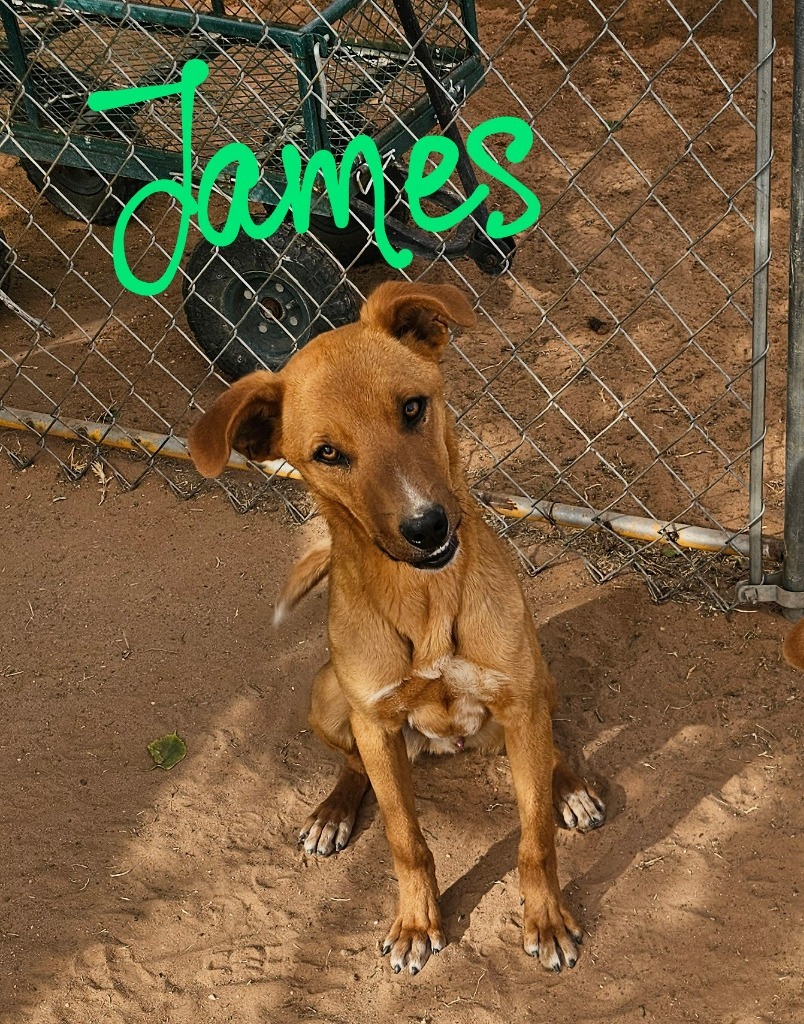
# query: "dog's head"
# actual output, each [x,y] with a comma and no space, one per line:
[360,412]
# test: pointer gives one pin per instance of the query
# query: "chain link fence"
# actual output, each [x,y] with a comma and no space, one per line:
[604,399]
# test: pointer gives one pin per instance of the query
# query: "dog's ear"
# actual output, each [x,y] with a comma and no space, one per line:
[247,418]
[418,314]
[793,649]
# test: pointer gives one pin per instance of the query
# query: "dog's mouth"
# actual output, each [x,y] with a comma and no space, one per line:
[437,559]
[440,557]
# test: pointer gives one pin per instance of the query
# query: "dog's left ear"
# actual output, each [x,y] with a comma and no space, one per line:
[247,417]
[418,314]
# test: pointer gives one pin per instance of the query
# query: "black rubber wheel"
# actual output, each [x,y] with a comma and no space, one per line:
[349,245]
[81,192]
[252,304]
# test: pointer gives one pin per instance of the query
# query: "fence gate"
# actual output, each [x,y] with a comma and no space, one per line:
[611,399]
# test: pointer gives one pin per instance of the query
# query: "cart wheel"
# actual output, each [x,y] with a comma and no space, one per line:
[80,192]
[349,245]
[252,304]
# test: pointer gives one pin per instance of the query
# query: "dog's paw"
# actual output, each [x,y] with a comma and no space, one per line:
[410,946]
[576,804]
[328,828]
[326,831]
[553,936]
[581,808]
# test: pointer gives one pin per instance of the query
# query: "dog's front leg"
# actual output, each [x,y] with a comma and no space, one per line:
[550,932]
[416,932]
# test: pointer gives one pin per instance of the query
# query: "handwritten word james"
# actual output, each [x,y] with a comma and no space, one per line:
[297,197]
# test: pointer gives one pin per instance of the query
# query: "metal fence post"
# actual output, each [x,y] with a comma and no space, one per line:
[794,472]
[764,156]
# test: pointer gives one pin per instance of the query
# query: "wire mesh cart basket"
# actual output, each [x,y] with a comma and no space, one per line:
[283,73]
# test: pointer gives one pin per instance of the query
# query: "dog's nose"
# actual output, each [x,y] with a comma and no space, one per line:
[427,531]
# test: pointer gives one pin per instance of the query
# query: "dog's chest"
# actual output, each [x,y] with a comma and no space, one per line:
[457,704]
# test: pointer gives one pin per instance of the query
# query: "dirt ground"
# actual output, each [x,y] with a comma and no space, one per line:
[130,894]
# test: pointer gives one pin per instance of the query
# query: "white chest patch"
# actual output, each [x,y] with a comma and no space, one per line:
[470,688]
[468,680]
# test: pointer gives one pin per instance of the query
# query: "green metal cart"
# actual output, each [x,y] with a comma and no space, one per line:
[285,72]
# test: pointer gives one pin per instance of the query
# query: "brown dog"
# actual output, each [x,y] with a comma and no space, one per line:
[432,645]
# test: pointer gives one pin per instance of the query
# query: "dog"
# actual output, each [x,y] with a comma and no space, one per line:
[432,646]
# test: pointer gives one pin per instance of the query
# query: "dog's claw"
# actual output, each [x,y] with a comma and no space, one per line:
[551,939]
[410,947]
[582,809]
[329,827]
[323,838]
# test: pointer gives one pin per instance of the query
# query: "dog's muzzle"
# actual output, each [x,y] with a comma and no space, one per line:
[439,558]
[429,532]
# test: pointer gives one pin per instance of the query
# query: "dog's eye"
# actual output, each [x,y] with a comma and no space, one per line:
[329,456]
[413,410]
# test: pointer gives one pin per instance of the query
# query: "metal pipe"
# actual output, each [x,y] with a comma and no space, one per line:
[793,577]
[137,441]
[638,528]
[762,255]
[122,12]
[19,60]
[575,517]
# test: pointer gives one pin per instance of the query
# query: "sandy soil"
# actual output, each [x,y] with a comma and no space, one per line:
[134,895]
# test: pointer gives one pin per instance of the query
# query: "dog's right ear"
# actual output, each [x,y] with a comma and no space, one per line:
[248,418]
[418,314]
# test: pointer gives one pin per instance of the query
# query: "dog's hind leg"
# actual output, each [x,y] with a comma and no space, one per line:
[577,805]
[328,828]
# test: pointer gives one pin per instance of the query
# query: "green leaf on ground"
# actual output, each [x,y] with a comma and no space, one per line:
[167,751]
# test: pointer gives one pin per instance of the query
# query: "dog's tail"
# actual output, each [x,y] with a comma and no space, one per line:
[310,569]
[793,649]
